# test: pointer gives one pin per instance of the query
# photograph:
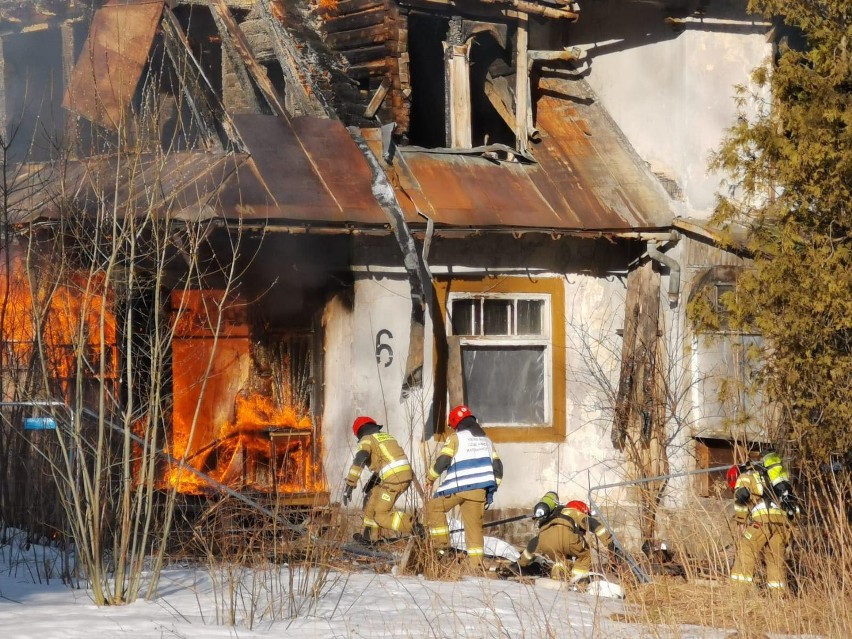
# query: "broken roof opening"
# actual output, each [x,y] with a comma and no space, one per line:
[425,37]
[491,75]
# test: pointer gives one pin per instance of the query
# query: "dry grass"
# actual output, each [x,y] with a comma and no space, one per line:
[819,572]
[672,602]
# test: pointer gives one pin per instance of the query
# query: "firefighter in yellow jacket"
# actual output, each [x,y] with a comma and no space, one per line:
[392,472]
[562,537]
[764,506]
[471,471]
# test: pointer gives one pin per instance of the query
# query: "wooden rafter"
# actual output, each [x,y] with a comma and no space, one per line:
[230,30]
[190,76]
[302,98]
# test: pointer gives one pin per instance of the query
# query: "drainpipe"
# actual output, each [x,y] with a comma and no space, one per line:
[674,270]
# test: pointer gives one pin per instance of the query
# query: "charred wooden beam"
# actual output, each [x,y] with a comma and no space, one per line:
[531,8]
[499,31]
[354,21]
[232,56]
[353,6]
[301,98]
[365,54]
[564,54]
[230,30]
[359,38]
[499,94]
[377,99]
[367,69]
[190,77]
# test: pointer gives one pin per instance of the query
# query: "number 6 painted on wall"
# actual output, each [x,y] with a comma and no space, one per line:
[381,348]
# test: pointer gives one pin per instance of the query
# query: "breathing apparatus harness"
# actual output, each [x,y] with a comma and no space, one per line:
[777,490]
[548,509]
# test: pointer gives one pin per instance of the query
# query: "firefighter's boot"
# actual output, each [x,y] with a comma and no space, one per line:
[364,538]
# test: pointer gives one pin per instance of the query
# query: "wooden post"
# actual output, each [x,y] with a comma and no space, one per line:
[455,371]
[458,95]
[522,86]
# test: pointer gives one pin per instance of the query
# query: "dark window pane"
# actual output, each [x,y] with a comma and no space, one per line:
[464,314]
[496,317]
[505,385]
[529,317]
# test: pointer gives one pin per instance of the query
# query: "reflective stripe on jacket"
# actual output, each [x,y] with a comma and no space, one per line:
[471,467]
[760,507]
[387,458]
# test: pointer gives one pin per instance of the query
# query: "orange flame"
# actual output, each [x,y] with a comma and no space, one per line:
[65,320]
[226,423]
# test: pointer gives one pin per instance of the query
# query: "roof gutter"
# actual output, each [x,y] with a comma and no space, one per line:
[674,269]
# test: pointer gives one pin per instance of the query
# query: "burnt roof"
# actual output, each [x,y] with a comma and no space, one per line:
[586,176]
[308,171]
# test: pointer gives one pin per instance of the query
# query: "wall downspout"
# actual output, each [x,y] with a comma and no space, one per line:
[420,281]
[674,270]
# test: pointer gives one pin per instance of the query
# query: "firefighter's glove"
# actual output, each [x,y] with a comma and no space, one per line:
[790,505]
[347,494]
[489,495]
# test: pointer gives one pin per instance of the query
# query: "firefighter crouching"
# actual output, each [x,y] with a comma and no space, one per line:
[764,504]
[473,471]
[389,463]
[562,537]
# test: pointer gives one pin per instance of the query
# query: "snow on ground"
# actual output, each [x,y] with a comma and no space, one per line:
[192,602]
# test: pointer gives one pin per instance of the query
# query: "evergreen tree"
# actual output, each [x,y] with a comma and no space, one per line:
[790,160]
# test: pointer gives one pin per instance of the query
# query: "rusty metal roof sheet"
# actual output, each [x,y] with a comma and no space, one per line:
[184,184]
[587,178]
[115,52]
[308,171]
[303,170]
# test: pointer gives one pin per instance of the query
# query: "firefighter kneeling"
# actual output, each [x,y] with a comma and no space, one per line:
[562,538]
[764,504]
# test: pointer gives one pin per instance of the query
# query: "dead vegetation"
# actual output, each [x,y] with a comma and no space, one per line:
[816,603]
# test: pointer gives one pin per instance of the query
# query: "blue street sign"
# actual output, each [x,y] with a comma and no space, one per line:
[39,423]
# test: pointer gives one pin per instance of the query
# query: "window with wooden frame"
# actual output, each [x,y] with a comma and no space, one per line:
[506,356]
[712,452]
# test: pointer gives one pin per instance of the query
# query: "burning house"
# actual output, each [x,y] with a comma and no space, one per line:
[387,207]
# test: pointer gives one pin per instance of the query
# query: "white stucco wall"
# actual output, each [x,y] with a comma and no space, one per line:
[355,384]
[671,92]
[594,308]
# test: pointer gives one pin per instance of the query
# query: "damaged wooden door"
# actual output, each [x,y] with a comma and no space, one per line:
[640,410]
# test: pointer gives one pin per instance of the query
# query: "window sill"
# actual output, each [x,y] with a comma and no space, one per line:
[515,435]
[524,434]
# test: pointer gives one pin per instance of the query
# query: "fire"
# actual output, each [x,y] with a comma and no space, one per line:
[240,411]
[59,322]
[237,417]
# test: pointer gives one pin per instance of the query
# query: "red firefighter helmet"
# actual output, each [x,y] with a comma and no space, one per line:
[732,476]
[360,422]
[457,414]
[576,504]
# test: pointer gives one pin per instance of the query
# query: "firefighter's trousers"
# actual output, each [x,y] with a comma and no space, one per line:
[768,539]
[379,512]
[567,549]
[472,506]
